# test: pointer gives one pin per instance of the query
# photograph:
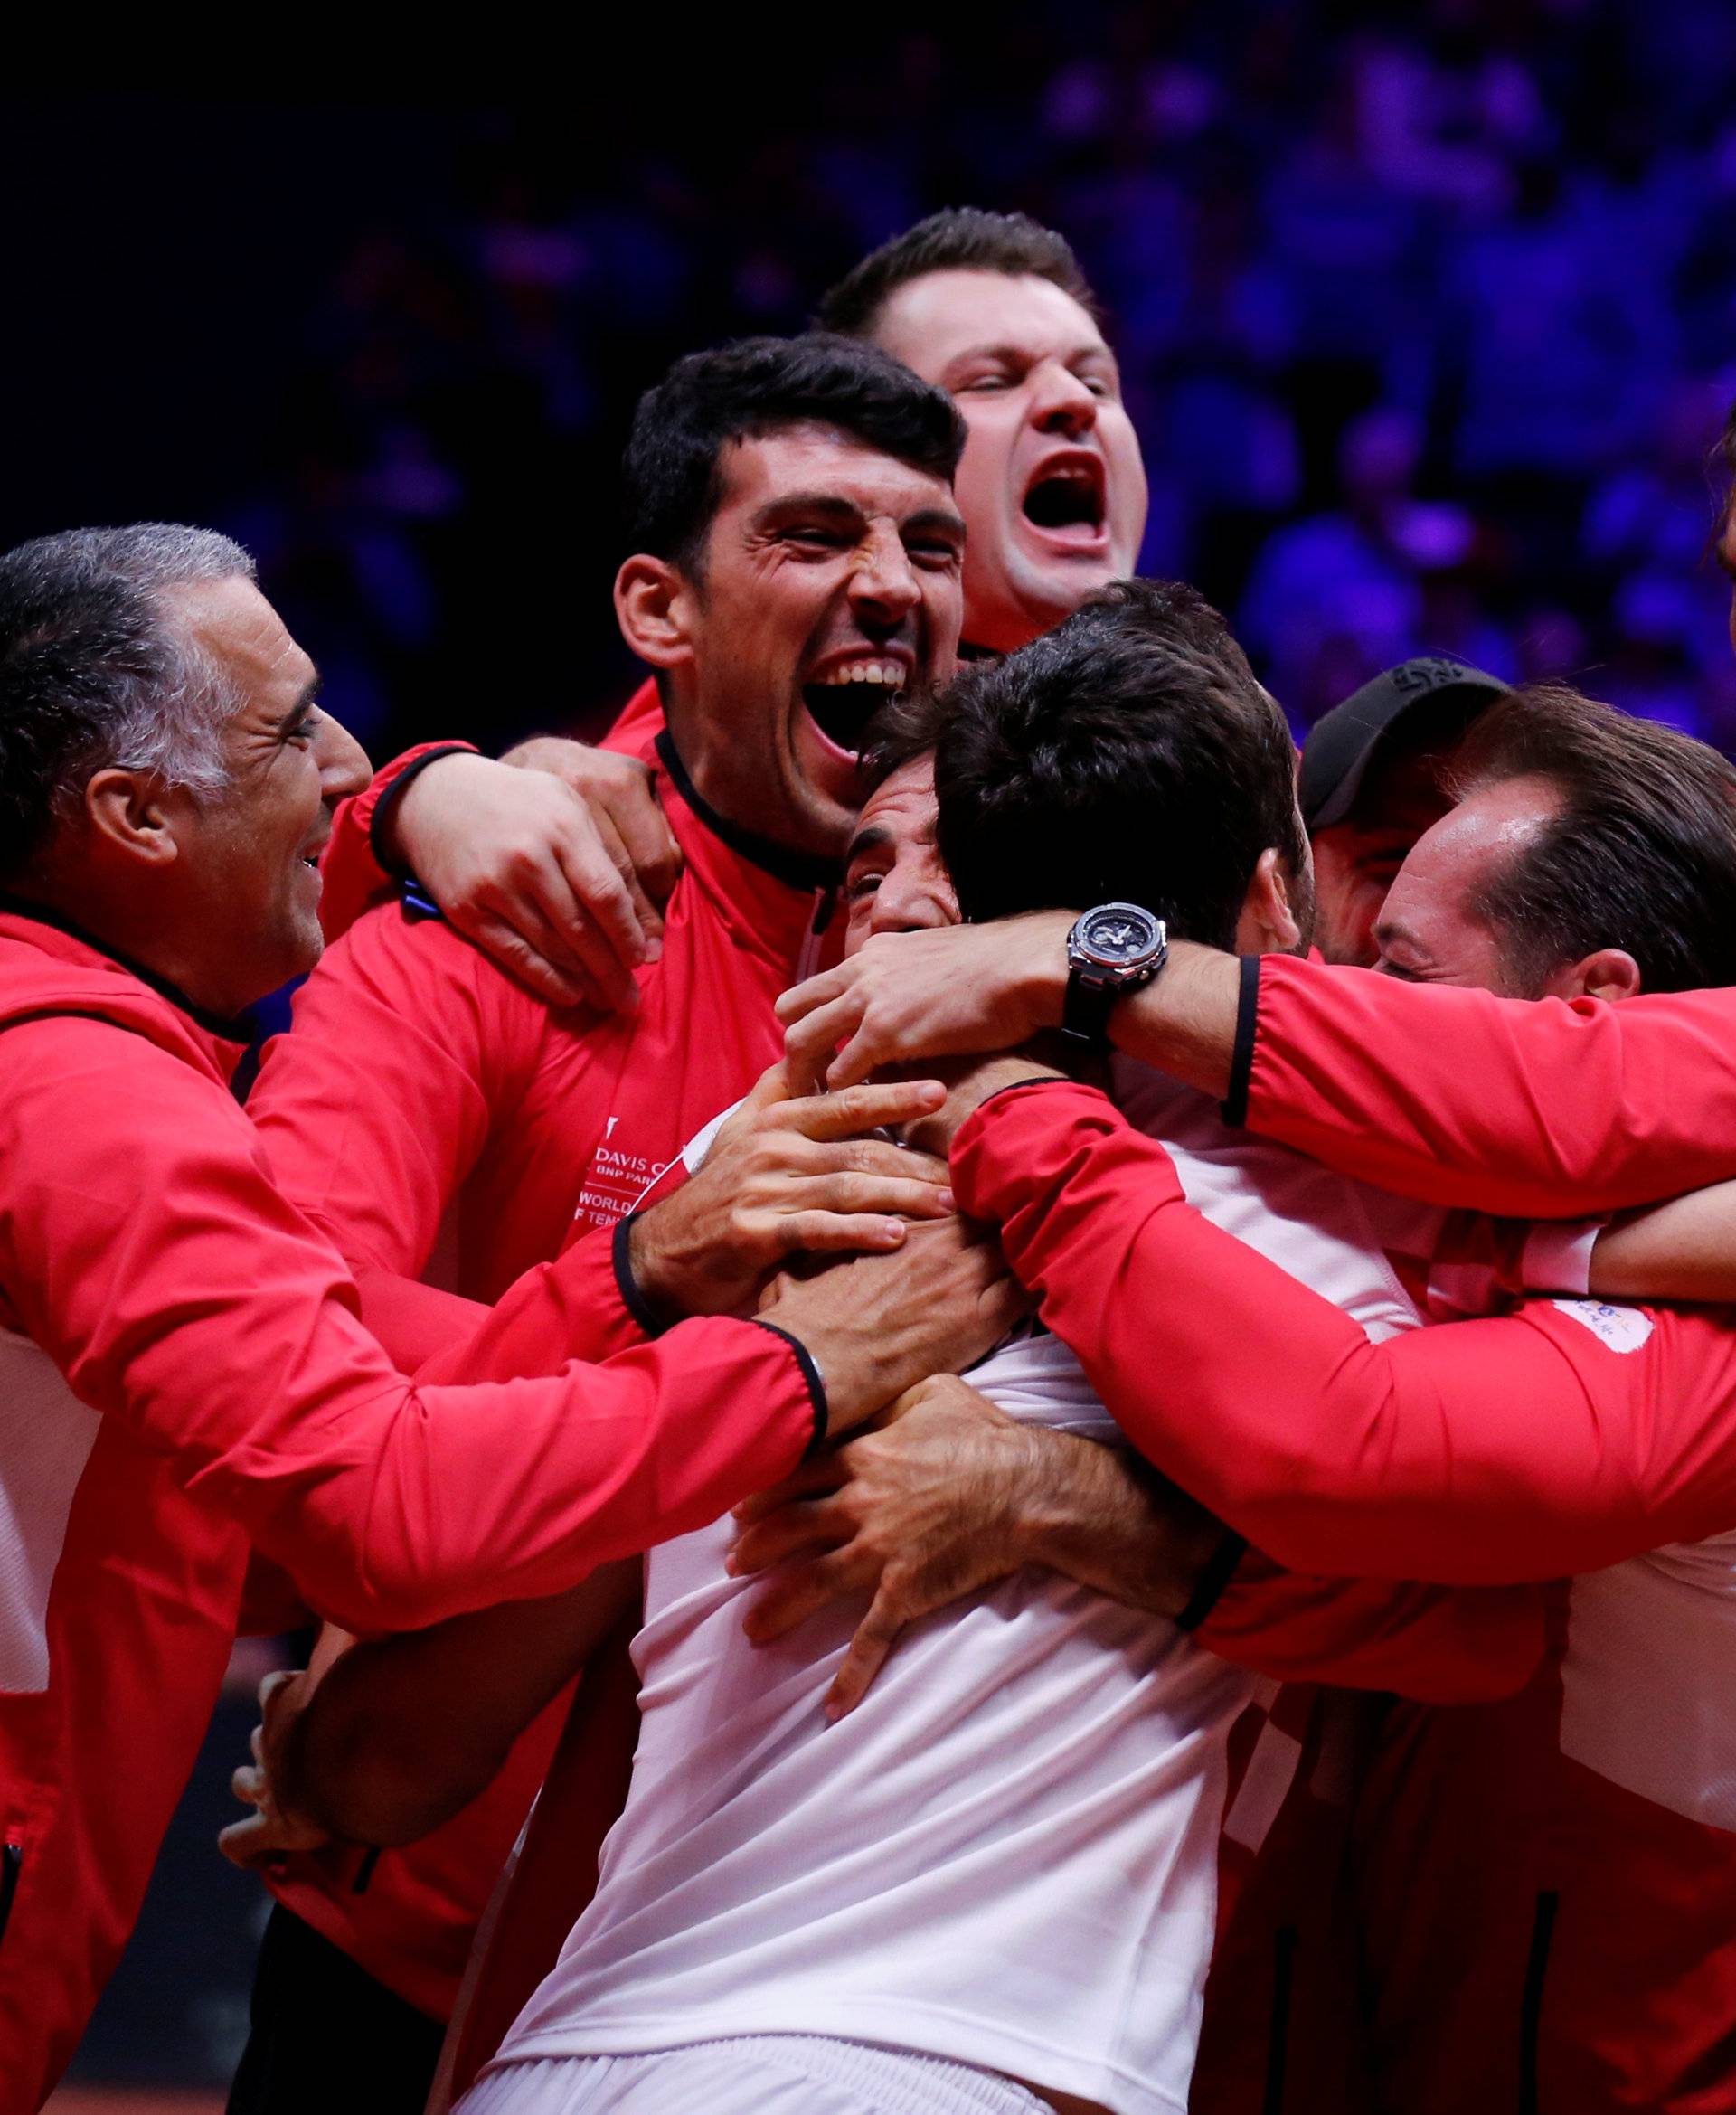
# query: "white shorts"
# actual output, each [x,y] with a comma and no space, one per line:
[751,2074]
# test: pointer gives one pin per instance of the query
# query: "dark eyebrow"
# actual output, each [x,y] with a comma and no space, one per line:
[1099,349]
[1009,353]
[788,505]
[304,701]
[874,838]
[931,518]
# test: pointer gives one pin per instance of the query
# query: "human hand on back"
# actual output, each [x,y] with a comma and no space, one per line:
[945,1495]
[789,1171]
[876,1326]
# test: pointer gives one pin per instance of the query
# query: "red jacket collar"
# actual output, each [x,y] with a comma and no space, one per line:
[769,898]
[48,967]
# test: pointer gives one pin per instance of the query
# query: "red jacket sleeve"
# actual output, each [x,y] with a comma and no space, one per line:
[1539,1108]
[350,865]
[378,1104]
[574,1307]
[1563,1438]
[1436,1644]
[144,1246]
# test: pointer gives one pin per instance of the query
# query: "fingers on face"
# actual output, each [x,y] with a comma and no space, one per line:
[812,1038]
[801,999]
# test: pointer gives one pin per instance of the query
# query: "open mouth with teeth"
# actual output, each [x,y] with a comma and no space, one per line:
[842,702]
[1067,503]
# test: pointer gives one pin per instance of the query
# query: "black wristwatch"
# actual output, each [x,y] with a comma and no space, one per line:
[1110,950]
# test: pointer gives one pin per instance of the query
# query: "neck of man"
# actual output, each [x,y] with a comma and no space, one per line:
[747,813]
[127,926]
[792,863]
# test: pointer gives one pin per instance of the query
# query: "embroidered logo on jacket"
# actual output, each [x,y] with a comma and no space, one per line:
[1621,1328]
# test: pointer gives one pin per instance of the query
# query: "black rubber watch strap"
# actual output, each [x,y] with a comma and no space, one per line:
[1085,1010]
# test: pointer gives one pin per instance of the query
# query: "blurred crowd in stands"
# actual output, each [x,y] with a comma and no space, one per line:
[1427,315]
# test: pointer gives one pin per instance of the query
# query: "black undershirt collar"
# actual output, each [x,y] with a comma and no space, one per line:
[796,870]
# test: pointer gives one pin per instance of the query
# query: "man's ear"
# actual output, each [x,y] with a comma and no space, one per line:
[1611,973]
[1268,924]
[653,606]
[129,813]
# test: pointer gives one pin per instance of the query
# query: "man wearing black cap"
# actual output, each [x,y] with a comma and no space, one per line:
[1372,783]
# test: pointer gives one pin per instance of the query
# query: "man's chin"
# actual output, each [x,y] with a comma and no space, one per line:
[304,943]
[829,780]
[1034,598]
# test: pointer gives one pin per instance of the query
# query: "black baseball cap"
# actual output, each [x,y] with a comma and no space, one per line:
[1341,744]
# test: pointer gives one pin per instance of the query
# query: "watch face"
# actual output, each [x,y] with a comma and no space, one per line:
[1116,934]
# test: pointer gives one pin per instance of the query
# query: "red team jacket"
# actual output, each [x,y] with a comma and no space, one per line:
[539,1126]
[533,1118]
[1614,1933]
[1550,1885]
[185,1373]
[140,1242]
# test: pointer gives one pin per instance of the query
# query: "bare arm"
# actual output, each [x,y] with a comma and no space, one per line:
[950,1495]
[966,989]
[1685,1249]
[404,1732]
[953,1494]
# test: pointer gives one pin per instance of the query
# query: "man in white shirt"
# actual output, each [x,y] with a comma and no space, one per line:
[997,1878]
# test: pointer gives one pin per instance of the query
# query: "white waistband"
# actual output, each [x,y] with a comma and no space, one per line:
[890,2082]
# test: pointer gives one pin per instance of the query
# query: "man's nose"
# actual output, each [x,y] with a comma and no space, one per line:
[1061,403]
[908,908]
[344,766]
[884,582]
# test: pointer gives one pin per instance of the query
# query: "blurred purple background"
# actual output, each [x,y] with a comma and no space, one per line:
[1427,315]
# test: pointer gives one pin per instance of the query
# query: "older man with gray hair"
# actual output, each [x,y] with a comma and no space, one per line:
[182,1372]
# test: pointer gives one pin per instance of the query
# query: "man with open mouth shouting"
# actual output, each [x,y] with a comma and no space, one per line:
[991,307]
[994,309]
[795,561]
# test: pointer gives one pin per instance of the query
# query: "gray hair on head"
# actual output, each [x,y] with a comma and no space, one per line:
[98,670]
